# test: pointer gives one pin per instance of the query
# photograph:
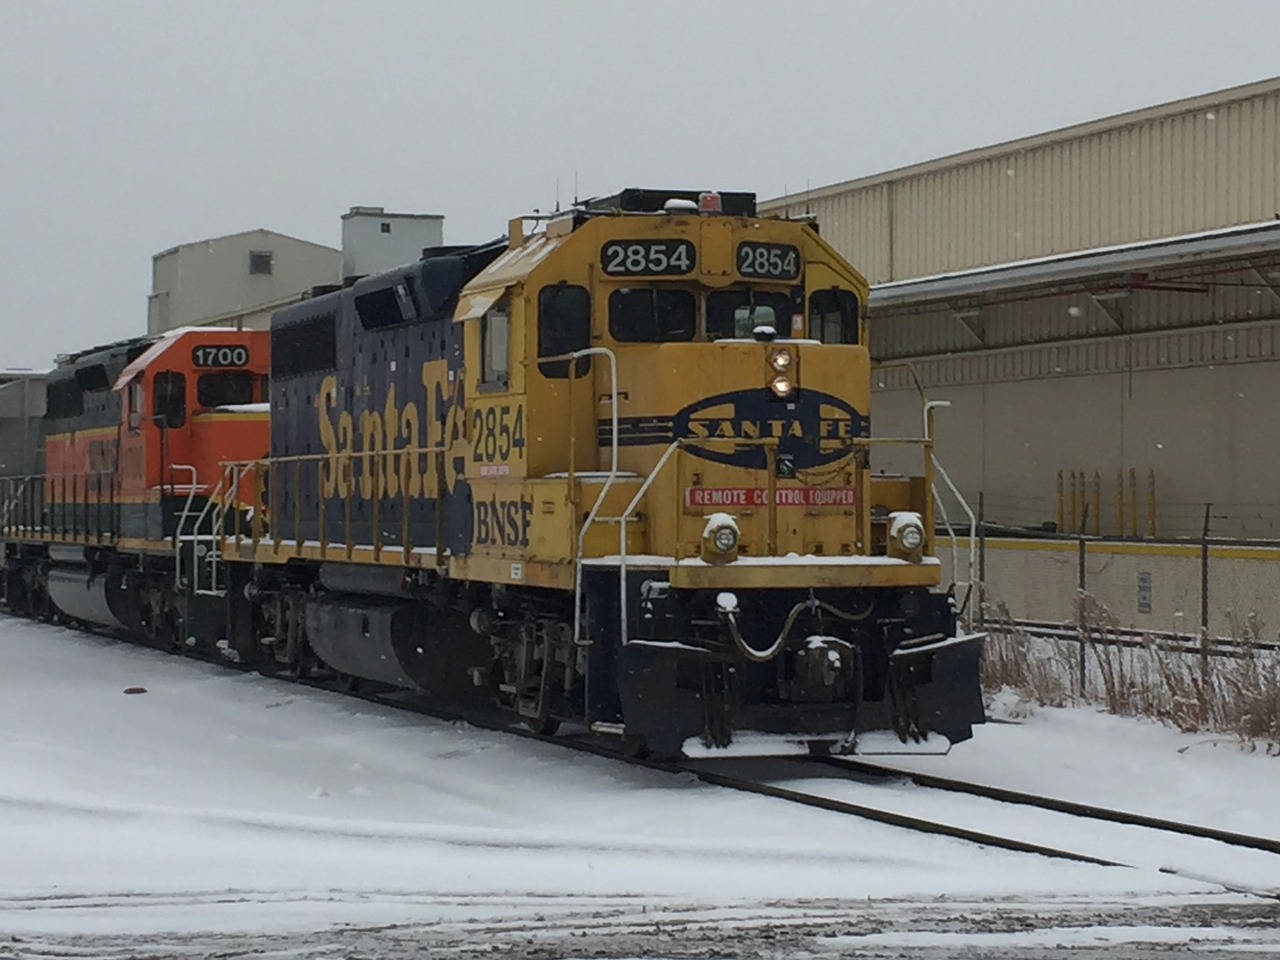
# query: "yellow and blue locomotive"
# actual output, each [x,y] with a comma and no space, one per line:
[616,471]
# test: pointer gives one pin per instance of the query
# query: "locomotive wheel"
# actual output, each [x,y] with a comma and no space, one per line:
[547,726]
[634,747]
[346,683]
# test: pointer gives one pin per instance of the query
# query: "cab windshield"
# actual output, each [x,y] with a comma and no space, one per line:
[652,315]
[736,313]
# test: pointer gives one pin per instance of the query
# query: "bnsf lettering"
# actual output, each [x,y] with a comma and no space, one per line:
[502,522]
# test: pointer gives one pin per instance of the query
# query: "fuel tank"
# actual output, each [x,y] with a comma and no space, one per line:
[411,645]
[87,597]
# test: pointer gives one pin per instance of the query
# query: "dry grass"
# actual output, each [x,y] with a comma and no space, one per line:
[1176,681]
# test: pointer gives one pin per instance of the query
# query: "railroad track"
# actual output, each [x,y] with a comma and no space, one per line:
[1071,807]
[1184,848]
[585,743]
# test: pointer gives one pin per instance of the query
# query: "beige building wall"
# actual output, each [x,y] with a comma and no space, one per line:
[1194,407]
[229,275]
[1039,580]
[1192,165]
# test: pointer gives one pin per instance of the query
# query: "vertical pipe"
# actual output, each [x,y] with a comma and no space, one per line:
[274,525]
[1120,503]
[1151,502]
[982,550]
[1133,502]
[1061,518]
[1082,492]
[322,505]
[377,505]
[771,466]
[1081,585]
[405,506]
[1097,504]
[259,504]
[442,560]
[1205,677]
[346,507]
[235,500]
[297,507]
[1072,528]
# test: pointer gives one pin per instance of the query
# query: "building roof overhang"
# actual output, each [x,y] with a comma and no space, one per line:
[1102,268]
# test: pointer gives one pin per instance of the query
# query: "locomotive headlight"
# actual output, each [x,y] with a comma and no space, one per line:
[912,537]
[906,535]
[781,360]
[782,386]
[720,539]
[725,539]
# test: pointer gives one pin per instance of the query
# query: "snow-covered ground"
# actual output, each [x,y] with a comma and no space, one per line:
[220,811]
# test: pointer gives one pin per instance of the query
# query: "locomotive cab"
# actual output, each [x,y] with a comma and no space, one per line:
[192,401]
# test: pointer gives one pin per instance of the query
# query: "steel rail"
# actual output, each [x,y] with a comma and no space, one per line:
[1071,807]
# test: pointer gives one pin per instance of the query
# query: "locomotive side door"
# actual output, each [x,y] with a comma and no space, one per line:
[494,421]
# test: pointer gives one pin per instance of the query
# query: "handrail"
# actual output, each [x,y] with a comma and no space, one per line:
[31,504]
[613,467]
[191,495]
[264,469]
[929,407]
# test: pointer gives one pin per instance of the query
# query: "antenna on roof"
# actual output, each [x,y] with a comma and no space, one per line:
[575,188]
[807,211]
[557,209]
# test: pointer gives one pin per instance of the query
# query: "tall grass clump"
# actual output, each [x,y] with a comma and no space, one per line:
[1228,685]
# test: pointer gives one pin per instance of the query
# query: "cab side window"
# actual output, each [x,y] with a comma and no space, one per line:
[833,316]
[135,404]
[651,315]
[169,399]
[564,325]
[222,389]
[495,346]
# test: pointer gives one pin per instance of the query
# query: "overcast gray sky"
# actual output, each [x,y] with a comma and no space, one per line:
[128,127]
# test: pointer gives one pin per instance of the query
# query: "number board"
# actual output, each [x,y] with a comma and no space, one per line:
[220,356]
[775,261]
[648,258]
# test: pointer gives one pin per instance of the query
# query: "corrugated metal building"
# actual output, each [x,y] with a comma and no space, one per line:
[1035,286]
[1192,165]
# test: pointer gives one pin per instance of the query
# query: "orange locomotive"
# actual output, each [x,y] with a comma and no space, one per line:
[135,434]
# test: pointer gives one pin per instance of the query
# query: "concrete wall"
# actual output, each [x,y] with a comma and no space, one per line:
[195,282]
[1192,406]
[373,240]
[1038,580]
[1192,165]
